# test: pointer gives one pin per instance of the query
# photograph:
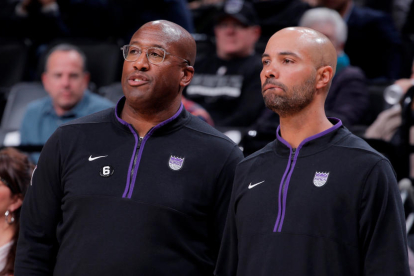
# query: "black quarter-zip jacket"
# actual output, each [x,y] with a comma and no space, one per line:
[330,207]
[104,201]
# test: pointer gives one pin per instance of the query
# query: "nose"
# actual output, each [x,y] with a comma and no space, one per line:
[65,80]
[270,71]
[142,63]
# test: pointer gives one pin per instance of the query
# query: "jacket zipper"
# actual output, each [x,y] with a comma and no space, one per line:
[282,193]
[135,161]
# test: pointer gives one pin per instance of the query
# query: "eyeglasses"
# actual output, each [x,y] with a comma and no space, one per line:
[154,55]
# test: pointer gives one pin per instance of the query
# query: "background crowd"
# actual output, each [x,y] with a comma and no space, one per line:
[374,42]
[61,59]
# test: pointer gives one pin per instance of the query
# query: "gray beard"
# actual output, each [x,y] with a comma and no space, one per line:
[293,101]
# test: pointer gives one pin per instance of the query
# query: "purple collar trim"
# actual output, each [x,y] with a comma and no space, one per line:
[131,183]
[336,124]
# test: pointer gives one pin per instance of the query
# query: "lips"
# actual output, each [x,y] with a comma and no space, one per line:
[137,80]
[271,86]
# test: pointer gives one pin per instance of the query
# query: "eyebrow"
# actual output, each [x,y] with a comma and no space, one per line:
[285,53]
[154,45]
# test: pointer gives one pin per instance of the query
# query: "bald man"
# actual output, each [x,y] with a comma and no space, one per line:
[140,189]
[318,200]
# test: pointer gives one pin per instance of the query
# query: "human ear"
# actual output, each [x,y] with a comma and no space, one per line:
[188,73]
[324,76]
[16,203]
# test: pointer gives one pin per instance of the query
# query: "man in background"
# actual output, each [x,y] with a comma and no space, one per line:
[373,42]
[66,81]
[348,97]
[226,83]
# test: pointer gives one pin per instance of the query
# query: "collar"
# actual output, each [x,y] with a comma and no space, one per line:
[74,112]
[312,144]
[178,120]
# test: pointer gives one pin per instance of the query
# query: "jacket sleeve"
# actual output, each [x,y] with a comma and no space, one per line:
[382,231]
[228,257]
[41,212]
[222,196]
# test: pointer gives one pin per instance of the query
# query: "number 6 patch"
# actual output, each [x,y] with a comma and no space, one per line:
[106,171]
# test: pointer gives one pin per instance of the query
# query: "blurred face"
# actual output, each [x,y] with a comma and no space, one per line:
[329,31]
[288,75]
[153,87]
[65,80]
[233,39]
[6,198]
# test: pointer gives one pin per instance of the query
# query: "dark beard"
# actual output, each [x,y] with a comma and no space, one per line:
[294,99]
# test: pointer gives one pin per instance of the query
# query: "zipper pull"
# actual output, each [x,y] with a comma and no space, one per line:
[293,153]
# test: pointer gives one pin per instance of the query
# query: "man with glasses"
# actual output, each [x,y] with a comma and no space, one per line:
[226,83]
[140,189]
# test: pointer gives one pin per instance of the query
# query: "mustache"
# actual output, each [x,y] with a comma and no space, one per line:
[273,82]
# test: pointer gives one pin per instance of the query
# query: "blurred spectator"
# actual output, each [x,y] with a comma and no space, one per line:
[348,98]
[227,84]
[15,174]
[398,9]
[197,111]
[278,14]
[387,126]
[38,20]
[373,42]
[66,82]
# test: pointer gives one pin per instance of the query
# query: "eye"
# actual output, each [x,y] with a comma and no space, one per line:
[265,62]
[133,51]
[286,61]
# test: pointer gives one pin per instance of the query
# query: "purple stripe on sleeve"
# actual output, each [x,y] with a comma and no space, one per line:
[143,144]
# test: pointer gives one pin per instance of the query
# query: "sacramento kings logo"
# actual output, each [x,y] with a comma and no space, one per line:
[176,163]
[320,179]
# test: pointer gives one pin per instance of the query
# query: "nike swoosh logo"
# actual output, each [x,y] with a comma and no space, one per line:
[94,158]
[254,185]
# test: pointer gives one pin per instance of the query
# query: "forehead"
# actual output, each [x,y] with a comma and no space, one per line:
[156,35]
[291,43]
[64,60]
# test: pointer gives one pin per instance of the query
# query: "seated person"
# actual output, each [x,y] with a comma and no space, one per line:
[15,174]
[348,97]
[227,84]
[65,80]
[373,42]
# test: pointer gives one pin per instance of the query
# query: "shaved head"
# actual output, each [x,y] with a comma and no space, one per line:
[320,49]
[298,66]
[180,39]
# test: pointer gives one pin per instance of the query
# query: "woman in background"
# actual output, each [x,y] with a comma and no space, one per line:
[15,174]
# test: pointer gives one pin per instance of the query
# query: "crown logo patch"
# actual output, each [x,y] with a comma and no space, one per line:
[175,163]
[320,178]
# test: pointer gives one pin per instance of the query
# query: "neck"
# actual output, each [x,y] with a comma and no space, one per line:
[144,119]
[296,128]
[6,232]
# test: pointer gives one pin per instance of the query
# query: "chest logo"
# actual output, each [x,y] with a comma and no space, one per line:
[254,185]
[106,171]
[97,157]
[320,178]
[175,163]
